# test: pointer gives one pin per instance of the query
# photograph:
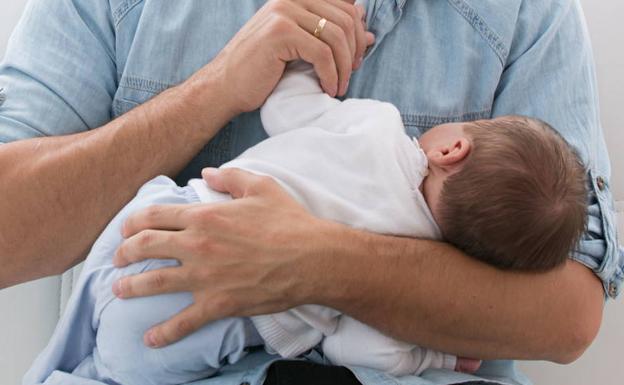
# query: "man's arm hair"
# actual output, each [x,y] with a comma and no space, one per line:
[432,294]
[58,193]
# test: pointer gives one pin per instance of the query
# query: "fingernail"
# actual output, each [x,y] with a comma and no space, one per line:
[150,339]
[117,289]
[347,86]
[358,63]
[333,91]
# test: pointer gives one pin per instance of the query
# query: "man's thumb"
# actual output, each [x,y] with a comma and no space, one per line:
[229,181]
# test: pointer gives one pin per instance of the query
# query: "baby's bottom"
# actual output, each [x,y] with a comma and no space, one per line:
[120,348]
[120,355]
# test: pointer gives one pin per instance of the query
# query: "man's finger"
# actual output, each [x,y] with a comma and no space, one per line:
[370,38]
[356,13]
[166,280]
[233,181]
[157,217]
[145,245]
[176,328]
[321,56]
[335,12]
[335,37]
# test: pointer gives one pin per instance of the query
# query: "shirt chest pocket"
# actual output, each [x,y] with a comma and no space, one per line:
[433,73]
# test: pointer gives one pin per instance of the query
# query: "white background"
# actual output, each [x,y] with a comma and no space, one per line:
[602,363]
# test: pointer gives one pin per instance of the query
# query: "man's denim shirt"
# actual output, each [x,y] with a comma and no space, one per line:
[72,66]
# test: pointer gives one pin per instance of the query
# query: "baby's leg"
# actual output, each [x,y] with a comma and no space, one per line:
[120,354]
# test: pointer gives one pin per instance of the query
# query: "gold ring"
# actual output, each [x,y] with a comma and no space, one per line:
[319,27]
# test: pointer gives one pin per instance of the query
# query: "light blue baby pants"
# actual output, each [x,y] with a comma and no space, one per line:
[100,337]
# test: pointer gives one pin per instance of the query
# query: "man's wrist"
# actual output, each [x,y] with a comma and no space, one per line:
[333,265]
[204,99]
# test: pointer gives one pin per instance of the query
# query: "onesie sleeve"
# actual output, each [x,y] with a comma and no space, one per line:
[297,101]
[549,74]
[59,75]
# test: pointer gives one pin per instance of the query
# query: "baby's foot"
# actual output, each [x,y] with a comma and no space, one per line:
[467,365]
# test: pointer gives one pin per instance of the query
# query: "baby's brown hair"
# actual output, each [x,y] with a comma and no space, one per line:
[519,201]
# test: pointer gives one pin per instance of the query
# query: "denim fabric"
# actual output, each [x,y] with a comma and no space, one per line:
[73,65]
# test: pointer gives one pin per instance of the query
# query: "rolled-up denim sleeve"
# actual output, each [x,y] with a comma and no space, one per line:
[58,75]
[549,74]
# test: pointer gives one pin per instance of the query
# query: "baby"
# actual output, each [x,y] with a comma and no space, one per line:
[508,191]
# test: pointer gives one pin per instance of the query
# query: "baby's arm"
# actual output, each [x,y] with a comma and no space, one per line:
[296,102]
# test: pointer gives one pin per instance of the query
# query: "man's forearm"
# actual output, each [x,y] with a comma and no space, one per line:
[59,192]
[431,294]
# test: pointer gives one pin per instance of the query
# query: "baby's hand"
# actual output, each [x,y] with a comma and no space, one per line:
[467,365]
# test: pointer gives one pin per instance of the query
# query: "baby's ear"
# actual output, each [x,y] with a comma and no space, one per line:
[452,154]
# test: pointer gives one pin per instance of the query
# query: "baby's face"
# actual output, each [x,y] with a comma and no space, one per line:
[443,147]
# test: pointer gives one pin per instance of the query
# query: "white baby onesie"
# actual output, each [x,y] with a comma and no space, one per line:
[360,169]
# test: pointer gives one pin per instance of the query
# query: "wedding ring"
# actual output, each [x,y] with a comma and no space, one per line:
[319,27]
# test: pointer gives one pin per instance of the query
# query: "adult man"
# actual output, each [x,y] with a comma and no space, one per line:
[73,66]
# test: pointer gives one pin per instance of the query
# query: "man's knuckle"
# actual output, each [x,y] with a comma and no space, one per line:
[333,33]
[195,215]
[277,5]
[263,183]
[183,327]
[206,214]
[223,303]
[199,276]
[158,280]
[198,246]
[126,288]
[230,172]
[347,23]
[152,213]
[351,9]
[326,53]
[279,25]
[145,239]
[191,276]
[122,251]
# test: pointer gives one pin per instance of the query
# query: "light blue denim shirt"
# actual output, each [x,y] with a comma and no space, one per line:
[73,65]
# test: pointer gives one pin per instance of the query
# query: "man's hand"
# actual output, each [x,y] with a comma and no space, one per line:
[281,31]
[237,258]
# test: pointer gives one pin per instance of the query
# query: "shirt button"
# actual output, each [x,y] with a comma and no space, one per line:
[612,290]
[601,183]
[245,383]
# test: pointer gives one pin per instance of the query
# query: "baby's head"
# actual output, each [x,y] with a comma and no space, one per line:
[508,191]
